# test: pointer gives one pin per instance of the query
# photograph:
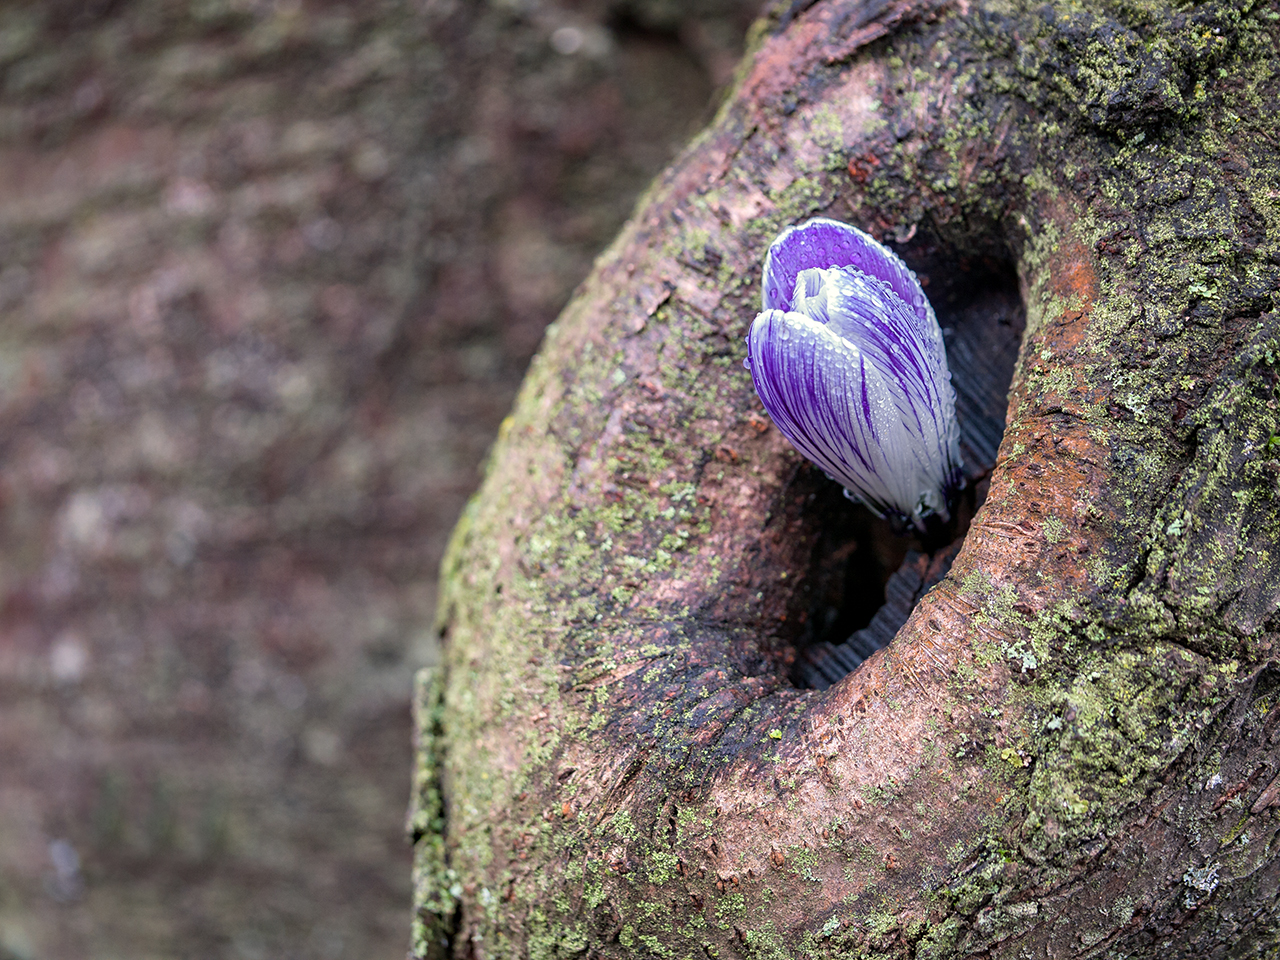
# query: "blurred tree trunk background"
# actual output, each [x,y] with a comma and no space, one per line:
[270,273]
[1071,748]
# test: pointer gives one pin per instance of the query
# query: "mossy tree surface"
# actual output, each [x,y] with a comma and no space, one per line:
[1072,747]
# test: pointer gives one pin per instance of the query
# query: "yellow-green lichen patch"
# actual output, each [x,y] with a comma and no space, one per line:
[435,884]
[1125,716]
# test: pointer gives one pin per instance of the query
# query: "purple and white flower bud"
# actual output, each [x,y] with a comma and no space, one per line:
[848,359]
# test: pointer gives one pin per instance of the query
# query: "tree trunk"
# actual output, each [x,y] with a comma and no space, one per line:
[1072,747]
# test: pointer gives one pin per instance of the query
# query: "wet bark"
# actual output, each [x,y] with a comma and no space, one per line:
[1071,748]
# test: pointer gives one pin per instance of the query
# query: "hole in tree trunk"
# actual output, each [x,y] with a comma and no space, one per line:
[864,578]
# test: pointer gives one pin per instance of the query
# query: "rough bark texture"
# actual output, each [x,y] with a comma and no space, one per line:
[1071,748]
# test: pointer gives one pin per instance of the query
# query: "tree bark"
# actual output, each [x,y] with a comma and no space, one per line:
[1072,747]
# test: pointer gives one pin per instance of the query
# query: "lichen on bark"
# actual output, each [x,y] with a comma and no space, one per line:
[1070,748]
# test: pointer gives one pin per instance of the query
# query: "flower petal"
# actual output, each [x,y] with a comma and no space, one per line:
[862,396]
[829,243]
[869,314]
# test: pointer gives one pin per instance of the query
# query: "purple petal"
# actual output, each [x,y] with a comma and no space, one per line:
[850,363]
[893,337]
[871,406]
[829,243]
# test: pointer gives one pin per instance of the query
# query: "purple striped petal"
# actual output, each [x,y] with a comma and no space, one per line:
[855,376]
[829,243]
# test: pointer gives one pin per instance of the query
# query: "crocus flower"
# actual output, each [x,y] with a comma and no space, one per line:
[848,358]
